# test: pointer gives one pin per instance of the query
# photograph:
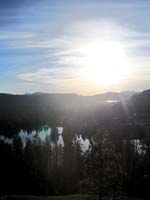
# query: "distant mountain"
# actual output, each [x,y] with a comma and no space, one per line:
[126,95]
[63,101]
[102,97]
[45,93]
[140,102]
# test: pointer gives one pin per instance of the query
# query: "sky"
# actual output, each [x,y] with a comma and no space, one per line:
[65,46]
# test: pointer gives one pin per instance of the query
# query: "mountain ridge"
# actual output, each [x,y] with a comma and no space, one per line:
[106,94]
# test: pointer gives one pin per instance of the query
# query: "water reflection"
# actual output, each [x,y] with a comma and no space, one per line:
[137,144]
[6,139]
[41,133]
[45,131]
[60,137]
[84,143]
[24,135]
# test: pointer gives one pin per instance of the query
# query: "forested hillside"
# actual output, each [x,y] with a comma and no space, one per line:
[34,110]
[115,164]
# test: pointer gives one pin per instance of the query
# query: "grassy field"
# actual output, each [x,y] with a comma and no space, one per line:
[71,197]
[17,197]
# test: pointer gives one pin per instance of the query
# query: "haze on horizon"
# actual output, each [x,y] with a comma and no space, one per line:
[83,47]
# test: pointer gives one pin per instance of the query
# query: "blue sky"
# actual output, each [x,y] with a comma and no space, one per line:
[40,42]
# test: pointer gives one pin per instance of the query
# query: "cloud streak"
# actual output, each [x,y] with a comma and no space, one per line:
[41,44]
[49,75]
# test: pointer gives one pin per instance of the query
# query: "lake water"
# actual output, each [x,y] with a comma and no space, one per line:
[42,133]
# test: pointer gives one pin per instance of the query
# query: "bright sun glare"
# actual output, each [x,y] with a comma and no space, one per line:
[104,63]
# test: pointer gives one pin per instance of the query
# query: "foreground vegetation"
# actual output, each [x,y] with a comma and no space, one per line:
[70,197]
[116,163]
[46,168]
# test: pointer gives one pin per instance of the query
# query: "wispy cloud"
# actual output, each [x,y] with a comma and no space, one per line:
[40,44]
[49,75]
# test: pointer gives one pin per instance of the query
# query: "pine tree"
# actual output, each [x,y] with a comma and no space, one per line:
[17,165]
[103,169]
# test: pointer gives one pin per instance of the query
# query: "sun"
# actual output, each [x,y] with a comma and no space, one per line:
[104,62]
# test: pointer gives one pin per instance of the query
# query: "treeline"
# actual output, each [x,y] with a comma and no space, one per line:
[110,168]
[39,168]
[140,103]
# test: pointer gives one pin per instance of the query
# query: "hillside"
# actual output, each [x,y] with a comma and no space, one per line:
[35,110]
